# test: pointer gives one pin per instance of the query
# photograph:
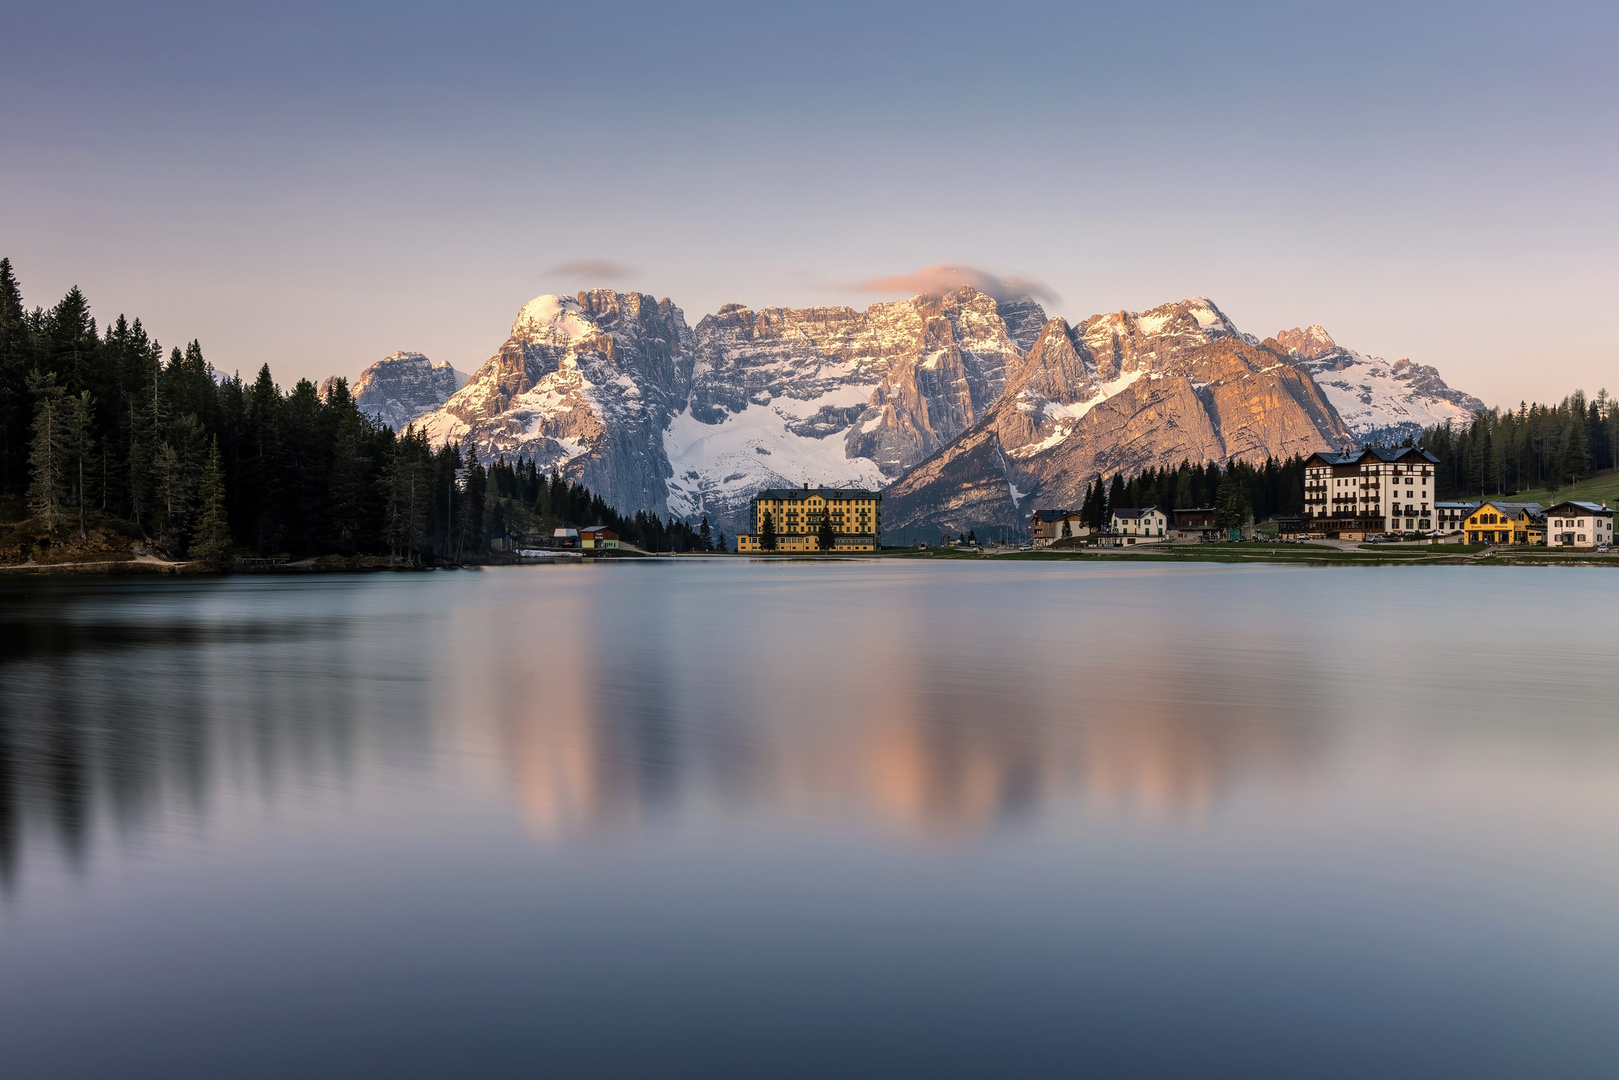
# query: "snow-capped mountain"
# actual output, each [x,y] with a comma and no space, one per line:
[401,388]
[969,411]
[616,390]
[1379,401]
[1117,393]
[587,385]
[836,396]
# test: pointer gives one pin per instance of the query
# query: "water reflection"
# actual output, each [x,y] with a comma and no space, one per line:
[941,702]
[709,818]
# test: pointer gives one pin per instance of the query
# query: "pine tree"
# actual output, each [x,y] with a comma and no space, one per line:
[348,487]
[1576,458]
[767,533]
[79,429]
[14,395]
[470,511]
[705,535]
[825,537]
[49,452]
[1116,497]
[211,544]
[409,483]
[720,544]
[1232,508]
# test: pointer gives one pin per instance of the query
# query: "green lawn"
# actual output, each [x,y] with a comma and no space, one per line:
[1603,487]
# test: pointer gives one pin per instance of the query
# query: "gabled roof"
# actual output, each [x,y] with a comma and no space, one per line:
[599,529]
[1511,509]
[1133,512]
[1577,508]
[1468,506]
[1355,457]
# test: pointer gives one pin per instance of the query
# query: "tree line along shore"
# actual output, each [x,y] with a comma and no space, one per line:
[114,451]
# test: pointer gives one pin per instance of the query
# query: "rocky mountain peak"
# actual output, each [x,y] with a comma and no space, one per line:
[963,405]
[1379,401]
[401,387]
[553,319]
[1308,344]
[1122,343]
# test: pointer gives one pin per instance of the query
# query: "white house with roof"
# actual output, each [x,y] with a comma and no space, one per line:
[1579,524]
[1138,525]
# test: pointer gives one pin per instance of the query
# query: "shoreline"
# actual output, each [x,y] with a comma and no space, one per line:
[1222,554]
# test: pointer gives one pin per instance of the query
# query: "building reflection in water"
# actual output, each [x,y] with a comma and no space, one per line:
[877,714]
[936,702]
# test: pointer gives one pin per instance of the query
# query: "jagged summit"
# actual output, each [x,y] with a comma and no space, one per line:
[1308,344]
[1116,393]
[964,406]
[403,386]
[556,318]
[1379,401]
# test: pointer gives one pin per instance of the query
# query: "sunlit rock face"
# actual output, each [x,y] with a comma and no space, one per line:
[616,390]
[1379,401]
[586,385]
[835,396]
[1116,393]
[966,409]
[402,388]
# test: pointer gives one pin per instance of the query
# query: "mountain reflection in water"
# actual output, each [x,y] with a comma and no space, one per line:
[875,818]
[606,702]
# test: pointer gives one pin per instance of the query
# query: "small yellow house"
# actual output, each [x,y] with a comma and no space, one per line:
[1506,523]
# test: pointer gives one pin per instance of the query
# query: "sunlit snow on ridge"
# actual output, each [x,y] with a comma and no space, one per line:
[754,449]
[1068,416]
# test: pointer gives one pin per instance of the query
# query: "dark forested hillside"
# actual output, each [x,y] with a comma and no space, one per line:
[102,433]
[1268,490]
[1533,446]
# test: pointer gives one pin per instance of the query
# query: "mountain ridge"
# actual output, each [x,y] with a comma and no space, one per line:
[962,407]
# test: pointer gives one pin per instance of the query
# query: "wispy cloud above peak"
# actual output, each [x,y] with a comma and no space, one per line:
[591,269]
[945,278]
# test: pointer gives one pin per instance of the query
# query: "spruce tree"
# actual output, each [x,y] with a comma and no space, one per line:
[825,537]
[14,395]
[767,533]
[1117,499]
[720,544]
[348,487]
[211,544]
[470,511]
[705,535]
[79,428]
[48,453]
[1231,506]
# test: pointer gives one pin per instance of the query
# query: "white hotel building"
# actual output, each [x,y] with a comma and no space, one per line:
[1370,491]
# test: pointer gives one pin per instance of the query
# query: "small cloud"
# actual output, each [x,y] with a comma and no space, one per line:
[943,279]
[592,269]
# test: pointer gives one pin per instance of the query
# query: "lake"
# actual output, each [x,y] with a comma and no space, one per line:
[724,818]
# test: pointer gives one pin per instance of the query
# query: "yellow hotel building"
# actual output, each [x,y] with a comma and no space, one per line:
[796,513]
[1506,523]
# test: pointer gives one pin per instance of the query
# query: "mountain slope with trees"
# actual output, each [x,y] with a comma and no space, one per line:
[109,444]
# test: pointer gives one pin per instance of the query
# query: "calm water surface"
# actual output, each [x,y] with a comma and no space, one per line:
[858,819]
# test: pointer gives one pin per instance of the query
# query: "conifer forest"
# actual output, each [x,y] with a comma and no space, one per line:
[105,436]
